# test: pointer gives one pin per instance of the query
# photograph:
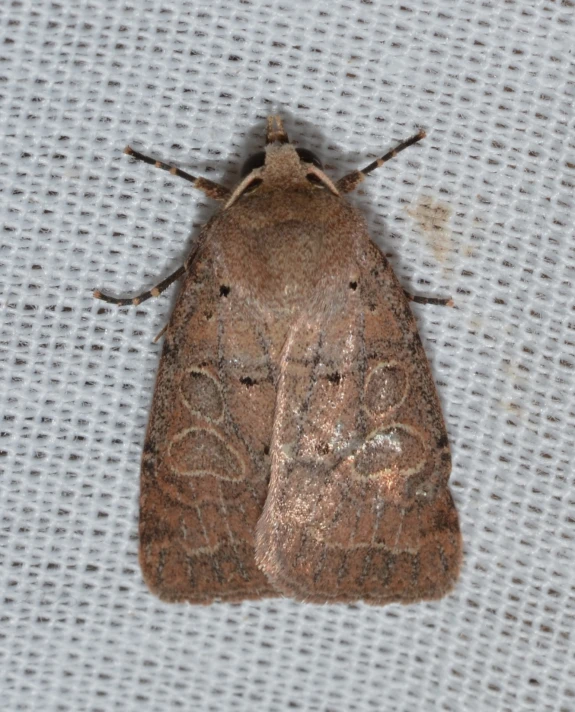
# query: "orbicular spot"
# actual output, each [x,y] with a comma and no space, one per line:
[198,451]
[386,388]
[396,450]
[201,393]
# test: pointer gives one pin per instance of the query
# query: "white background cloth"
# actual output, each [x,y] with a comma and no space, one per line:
[482,210]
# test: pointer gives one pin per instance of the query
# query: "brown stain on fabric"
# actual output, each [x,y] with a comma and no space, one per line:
[433,217]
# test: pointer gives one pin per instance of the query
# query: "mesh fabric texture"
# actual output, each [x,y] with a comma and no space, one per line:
[482,211]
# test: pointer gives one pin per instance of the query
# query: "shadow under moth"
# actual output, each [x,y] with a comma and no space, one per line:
[296,444]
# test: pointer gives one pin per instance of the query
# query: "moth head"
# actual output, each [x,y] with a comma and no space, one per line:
[258,160]
[281,166]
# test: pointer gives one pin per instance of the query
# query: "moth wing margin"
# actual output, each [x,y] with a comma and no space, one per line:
[358,506]
[204,470]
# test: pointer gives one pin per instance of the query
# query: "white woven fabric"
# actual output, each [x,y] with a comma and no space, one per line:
[482,211]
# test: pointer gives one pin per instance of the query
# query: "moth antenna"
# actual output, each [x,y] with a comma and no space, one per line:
[275,131]
[208,187]
[352,180]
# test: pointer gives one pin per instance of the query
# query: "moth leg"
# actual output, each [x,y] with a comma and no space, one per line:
[154,292]
[353,179]
[208,187]
[161,332]
[438,301]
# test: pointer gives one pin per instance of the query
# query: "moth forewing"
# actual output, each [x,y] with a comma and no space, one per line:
[296,444]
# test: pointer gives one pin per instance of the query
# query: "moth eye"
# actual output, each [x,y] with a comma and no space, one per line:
[316,180]
[255,183]
[308,156]
[253,162]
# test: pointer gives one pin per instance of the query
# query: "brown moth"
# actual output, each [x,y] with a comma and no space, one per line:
[296,444]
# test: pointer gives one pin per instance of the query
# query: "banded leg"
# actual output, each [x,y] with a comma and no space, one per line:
[353,179]
[438,301]
[208,187]
[154,292]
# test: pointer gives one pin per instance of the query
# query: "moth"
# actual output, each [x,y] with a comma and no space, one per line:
[295,444]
